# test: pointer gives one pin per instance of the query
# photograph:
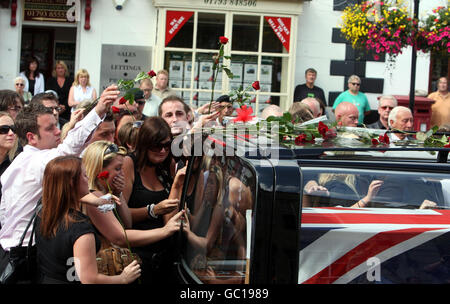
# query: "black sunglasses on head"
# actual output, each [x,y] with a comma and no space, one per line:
[4,129]
[113,148]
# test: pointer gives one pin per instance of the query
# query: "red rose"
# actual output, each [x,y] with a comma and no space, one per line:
[122,100]
[255,85]
[322,128]
[115,110]
[223,40]
[375,141]
[300,140]
[103,175]
[151,74]
[386,139]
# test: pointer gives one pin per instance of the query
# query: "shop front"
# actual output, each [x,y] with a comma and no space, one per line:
[262,39]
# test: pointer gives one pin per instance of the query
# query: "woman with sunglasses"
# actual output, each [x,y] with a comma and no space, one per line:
[8,142]
[152,194]
[106,156]
[19,86]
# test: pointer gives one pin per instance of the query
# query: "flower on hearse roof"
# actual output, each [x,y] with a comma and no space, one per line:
[244,114]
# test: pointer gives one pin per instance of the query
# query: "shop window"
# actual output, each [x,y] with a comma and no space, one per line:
[209,25]
[246,30]
[189,61]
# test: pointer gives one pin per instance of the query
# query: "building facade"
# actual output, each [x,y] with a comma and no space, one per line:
[270,41]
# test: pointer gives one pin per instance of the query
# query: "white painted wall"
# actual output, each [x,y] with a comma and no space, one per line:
[314,49]
[135,25]
[9,48]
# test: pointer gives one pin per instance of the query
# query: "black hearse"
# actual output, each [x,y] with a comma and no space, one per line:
[341,213]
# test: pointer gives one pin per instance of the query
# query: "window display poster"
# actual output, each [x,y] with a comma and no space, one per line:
[176,69]
[205,70]
[175,20]
[266,73]
[265,87]
[188,70]
[250,72]
[236,69]
[175,84]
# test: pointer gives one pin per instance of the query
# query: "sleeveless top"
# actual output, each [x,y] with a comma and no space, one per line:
[141,197]
[79,95]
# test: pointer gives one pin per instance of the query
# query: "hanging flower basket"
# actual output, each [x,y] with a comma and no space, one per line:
[377,26]
[434,32]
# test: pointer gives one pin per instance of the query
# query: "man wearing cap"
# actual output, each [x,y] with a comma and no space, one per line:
[152,101]
[139,99]
[225,109]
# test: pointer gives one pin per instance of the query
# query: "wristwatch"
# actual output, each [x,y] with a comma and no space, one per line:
[150,211]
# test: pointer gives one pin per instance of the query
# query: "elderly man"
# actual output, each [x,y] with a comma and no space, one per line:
[440,110]
[152,101]
[354,96]
[347,114]
[161,88]
[401,119]
[314,106]
[385,106]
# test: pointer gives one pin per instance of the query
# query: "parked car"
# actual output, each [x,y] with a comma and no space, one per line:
[315,214]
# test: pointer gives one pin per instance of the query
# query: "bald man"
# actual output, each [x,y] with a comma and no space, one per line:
[346,114]
[313,105]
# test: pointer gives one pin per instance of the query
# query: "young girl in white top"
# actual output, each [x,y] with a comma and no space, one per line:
[81,89]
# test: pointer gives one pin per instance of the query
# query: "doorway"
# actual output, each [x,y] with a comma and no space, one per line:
[48,44]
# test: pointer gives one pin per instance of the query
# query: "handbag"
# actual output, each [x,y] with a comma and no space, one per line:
[112,260]
[22,265]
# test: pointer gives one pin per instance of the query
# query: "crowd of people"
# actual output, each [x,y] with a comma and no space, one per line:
[54,143]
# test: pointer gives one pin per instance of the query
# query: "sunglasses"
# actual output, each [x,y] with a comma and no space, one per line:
[20,84]
[355,83]
[4,129]
[157,148]
[113,148]
[57,109]
[386,107]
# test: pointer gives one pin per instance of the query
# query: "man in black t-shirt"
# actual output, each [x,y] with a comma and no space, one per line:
[308,89]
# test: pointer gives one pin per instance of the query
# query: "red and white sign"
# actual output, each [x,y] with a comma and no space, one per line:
[282,28]
[174,22]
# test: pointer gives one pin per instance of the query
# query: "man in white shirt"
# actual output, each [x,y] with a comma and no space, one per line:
[401,119]
[22,181]
[152,101]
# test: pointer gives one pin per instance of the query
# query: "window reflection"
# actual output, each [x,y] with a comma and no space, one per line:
[209,25]
[216,234]
[245,33]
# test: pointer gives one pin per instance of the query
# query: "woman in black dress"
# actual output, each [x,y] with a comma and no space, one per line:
[65,237]
[61,83]
[152,190]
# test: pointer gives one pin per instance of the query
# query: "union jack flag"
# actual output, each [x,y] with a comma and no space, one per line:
[337,243]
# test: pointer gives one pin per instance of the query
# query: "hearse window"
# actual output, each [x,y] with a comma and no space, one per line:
[374,189]
[216,246]
[398,233]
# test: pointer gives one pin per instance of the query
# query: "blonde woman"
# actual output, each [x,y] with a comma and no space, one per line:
[61,82]
[81,89]
[19,86]
[104,155]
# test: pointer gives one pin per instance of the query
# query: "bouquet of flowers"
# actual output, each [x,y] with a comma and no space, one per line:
[381,27]
[434,32]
